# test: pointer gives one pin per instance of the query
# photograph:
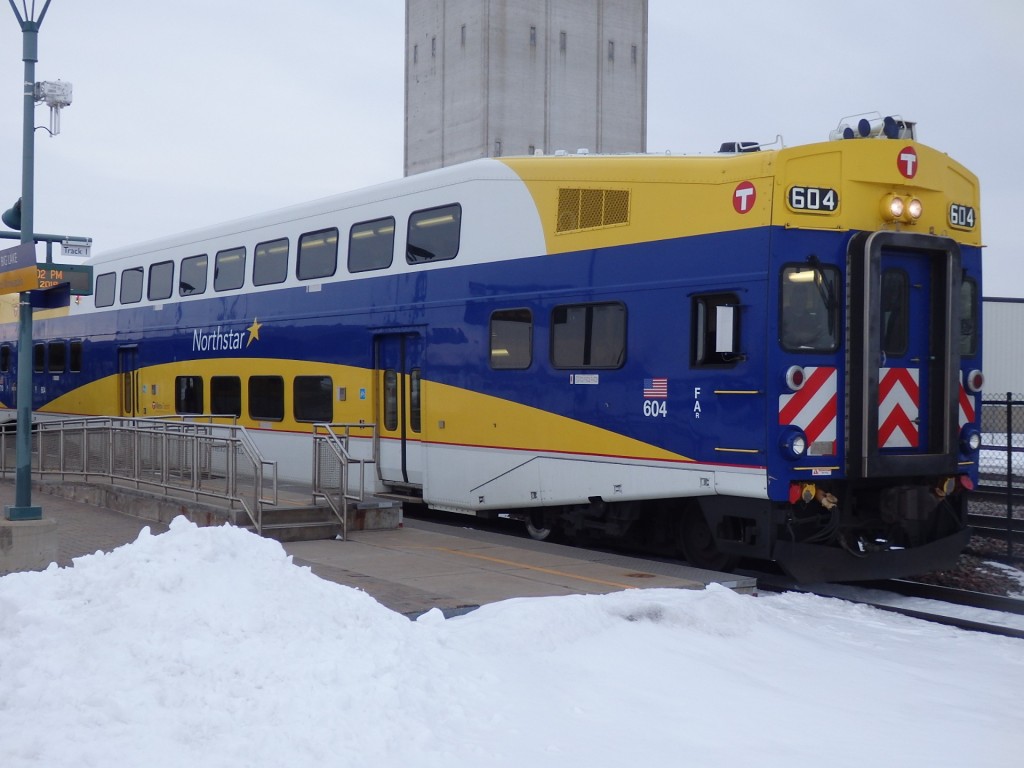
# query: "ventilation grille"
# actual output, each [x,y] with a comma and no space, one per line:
[591,208]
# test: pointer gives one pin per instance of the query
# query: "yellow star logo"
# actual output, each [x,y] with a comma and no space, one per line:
[254,331]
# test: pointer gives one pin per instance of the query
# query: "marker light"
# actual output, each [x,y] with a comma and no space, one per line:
[914,209]
[975,381]
[793,443]
[892,208]
[795,377]
[970,439]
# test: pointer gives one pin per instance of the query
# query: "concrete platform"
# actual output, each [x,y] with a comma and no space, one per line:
[420,566]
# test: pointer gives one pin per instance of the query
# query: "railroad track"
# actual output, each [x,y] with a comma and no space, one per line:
[944,610]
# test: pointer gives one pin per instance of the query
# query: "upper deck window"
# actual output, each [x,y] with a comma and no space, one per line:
[270,262]
[229,269]
[161,281]
[131,285]
[371,245]
[105,287]
[192,280]
[434,234]
[318,254]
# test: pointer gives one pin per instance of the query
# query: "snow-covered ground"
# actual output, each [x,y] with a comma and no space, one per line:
[208,647]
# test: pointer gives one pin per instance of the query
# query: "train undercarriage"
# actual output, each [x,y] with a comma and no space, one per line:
[873,531]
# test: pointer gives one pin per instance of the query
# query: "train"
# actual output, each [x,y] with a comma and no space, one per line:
[766,352]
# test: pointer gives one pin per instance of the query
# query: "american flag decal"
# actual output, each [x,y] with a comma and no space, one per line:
[656,389]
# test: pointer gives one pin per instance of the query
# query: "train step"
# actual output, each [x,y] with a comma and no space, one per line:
[314,522]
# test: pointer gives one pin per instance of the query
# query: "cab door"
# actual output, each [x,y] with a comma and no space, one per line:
[904,363]
[398,371]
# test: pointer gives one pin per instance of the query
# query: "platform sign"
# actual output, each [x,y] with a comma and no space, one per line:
[18,269]
[78,276]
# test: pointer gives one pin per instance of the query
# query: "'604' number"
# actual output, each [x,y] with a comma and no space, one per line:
[813,199]
[961,216]
[655,408]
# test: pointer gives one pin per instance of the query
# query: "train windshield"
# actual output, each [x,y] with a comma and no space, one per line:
[809,308]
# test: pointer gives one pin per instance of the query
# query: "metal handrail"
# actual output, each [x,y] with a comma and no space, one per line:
[337,439]
[186,453]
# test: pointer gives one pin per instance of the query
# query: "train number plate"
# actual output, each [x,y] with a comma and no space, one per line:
[961,216]
[813,199]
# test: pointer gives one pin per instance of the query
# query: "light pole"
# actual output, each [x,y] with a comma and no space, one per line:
[22,508]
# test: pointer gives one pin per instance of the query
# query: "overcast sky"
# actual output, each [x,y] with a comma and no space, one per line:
[190,113]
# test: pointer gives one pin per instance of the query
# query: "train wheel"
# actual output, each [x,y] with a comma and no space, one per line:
[540,526]
[699,543]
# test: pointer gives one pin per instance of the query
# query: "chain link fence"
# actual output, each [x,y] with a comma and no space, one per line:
[1001,465]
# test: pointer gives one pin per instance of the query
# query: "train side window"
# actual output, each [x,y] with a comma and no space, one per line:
[131,285]
[38,358]
[434,234]
[266,398]
[56,356]
[511,339]
[192,280]
[968,317]
[371,245]
[188,394]
[715,330]
[105,285]
[314,399]
[161,281]
[75,357]
[809,308]
[229,269]
[588,335]
[5,358]
[226,395]
[318,254]
[390,400]
[895,306]
[270,262]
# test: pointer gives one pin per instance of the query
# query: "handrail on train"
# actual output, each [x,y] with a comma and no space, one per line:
[188,452]
[332,457]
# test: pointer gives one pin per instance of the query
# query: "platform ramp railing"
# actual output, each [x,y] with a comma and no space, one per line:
[340,464]
[204,457]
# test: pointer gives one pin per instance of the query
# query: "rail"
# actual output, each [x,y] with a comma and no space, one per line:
[333,461]
[186,455]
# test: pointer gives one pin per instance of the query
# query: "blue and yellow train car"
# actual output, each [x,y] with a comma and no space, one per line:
[768,353]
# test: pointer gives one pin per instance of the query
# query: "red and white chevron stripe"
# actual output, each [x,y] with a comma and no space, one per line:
[813,406]
[968,403]
[898,407]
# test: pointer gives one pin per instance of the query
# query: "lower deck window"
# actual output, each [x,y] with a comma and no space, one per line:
[588,336]
[511,339]
[314,400]
[266,398]
[226,396]
[188,394]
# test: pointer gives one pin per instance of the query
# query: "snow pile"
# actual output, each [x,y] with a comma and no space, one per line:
[208,647]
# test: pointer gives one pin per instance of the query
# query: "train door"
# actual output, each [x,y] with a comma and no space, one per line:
[399,368]
[904,393]
[128,380]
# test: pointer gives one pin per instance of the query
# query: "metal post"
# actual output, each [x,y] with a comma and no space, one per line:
[1009,475]
[23,509]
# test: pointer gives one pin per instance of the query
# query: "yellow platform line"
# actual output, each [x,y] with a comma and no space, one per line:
[549,571]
